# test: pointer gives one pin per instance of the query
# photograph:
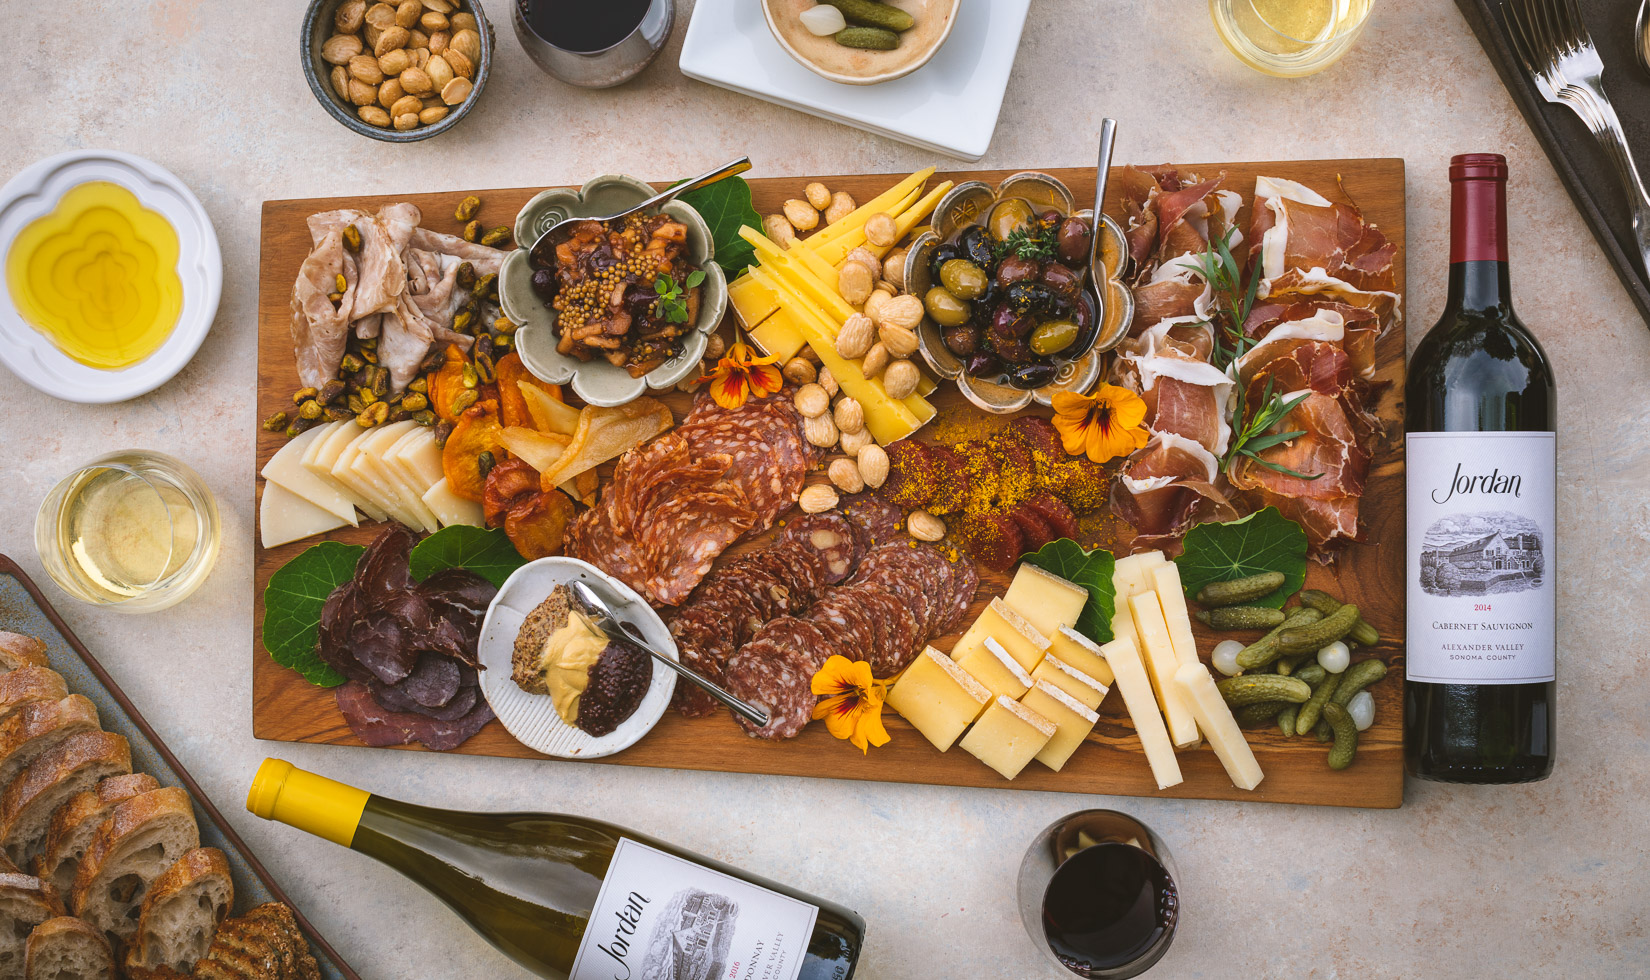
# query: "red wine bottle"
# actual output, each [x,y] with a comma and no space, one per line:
[1480,445]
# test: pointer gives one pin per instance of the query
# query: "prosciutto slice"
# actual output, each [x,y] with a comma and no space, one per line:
[1167,486]
[1308,246]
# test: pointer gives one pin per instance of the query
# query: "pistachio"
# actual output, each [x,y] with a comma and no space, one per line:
[340,282]
[486,284]
[442,430]
[924,526]
[331,392]
[433,114]
[407,104]
[893,267]
[799,371]
[415,82]
[841,206]
[817,499]
[350,364]
[818,195]
[812,401]
[392,39]
[827,380]
[340,81]
[856,336]
[485,369]
[389,92]
[375,414]
[406,122]
[848,415]
[407,13]
[468,43]
[275,423]
[466,274]
[340,48]
[456,91]
[310,410]
[439,71]
[413,401]
[503,342]
[876,359]
[337,413]
[300,426]
[900,379]
[465,399]
[395,62]
[820,430]
[439,41]
[779,229]
[349,16]
[380,381]
[854,282]
[497,236]
[880,230]
[844,472]
[463,66]
[360,93]
[800,214]
[873,464]
[336,298]
[899,341]
[303,395]
[424,417]
[503,325]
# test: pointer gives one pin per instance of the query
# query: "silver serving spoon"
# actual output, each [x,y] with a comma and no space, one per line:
[1641,36]
[543,253]
[1097,271]
[602,607]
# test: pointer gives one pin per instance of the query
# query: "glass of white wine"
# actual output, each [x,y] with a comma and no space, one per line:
[135,531]
[1289,38]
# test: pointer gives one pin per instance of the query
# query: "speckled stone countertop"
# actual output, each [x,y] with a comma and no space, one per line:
[1551,879]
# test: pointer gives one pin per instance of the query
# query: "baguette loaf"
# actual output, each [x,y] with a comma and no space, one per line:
[25,902]
[66,948]
[17,650]
[181,914]
[76,764]
[28,684]
[139,840]
[76,821]
[40,727]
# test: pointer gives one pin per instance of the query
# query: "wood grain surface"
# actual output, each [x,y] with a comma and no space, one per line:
[287,708]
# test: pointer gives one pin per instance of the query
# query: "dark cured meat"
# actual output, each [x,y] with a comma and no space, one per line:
[1034,531]
[962,593]
[881,520]
[1056,513]
[777,681]
[912,474]
[392,697]
[376,725]
[994,540]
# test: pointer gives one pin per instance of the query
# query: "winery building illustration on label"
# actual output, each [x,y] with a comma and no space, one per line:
[1482,554]
[692,937]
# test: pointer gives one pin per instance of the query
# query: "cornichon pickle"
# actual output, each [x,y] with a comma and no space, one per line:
[1322,731]
[1240,590]
[868,13]
[1286,720]
[1316,636]
[1254,688]
[1265,650]
[1312,673]
[1357,677]
[1241,617]
[1346,736]
[1325,603]
[1314,705]
[869,38]
[1260,712]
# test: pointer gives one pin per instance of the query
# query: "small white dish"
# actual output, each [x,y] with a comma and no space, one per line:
[35,193]
[949,105]
[532,718]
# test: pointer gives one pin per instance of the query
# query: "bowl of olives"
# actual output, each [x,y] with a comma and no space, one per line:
[1011,313]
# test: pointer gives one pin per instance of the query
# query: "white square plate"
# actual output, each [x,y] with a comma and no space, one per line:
[949,105]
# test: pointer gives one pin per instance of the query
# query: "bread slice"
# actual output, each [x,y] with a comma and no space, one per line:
[76,764]
[28,684]
[181,914]
[40,727]
[66,948]
[18,650]
[263,944]
[139,840]
[76,821]
[546,618]
[25,902]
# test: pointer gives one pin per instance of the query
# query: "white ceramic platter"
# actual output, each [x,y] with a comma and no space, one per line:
[949,105]
[532,718]
[34,193]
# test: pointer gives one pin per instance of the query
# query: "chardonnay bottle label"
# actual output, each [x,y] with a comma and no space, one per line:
[1481,516]
[660,917]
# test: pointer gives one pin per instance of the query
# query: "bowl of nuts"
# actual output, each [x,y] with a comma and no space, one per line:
[398,71]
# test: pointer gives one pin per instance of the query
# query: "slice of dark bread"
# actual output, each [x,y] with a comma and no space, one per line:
[547,617]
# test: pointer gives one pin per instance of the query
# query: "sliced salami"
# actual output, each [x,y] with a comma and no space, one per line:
[911,474]
[880,519]
[684,534]
[777,681]
[1056,513]
[829,539]
[966,581]
[800,637]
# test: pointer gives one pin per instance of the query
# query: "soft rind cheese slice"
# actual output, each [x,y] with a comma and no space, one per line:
[1084,654]
[286,468]
[1079,685]
[1008,736]
[284,517]
[1161,664]
[1131,575]
[938,698]
[1024,642]
[992,666]
[1215,718]
[1171,595]
[323,452]
[1136,689]
[1046,600]
[449,508]
[1073,722]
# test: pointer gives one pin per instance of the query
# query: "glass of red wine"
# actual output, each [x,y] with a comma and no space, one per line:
[593,43]
[1097,893]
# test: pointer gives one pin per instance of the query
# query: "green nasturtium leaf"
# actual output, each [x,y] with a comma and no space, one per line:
[1090,569]
[1265,541]
[488,553]
[726,207]
[292,607]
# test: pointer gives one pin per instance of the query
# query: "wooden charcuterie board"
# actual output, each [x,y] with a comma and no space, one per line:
[287,708]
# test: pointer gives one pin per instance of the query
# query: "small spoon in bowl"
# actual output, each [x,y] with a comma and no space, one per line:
[543,253]
[1641,36]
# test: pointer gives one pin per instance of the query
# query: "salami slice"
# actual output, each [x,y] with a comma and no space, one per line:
[828,539]
[880,519]
[842,606]
[901,631]
[948,472]
[683,536]
[773,679]
[765,465]
[966,581]
[800,637]
[911,474]
[1034,531]
[1056,513]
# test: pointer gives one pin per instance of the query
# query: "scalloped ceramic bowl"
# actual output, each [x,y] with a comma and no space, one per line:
[596,381]
[34,193]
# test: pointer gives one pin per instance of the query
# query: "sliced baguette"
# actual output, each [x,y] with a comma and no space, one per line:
[18,650]
[76,764]
[139,840]
[263,944]
[28,684]
[66,948]
[181,914]
[25,902]
[40,727]
[76,821]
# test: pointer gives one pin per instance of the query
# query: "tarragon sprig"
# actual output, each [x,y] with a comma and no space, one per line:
[1221,270]
[1251,438]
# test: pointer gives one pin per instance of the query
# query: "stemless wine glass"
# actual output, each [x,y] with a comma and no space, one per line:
[1097,895]
[1289,38]
[551,32]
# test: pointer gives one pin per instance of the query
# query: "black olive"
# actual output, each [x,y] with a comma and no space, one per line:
[1060,277]
[1083,311]
[1013,352]
[1031,376]
[544,284]
[939,257]
[962,341]
[983,365]
[1029,297]
[1009,326]
[1074,240]
[977,246]
[1015,269]
[1050,218]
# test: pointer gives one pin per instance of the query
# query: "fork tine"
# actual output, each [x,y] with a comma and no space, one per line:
[1522,42]
[1569,16]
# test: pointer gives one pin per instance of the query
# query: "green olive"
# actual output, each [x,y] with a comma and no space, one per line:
[1009,217]
[1053,337]
[964,279]
[946,309]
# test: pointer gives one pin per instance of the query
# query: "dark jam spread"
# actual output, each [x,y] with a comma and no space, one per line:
[618,681]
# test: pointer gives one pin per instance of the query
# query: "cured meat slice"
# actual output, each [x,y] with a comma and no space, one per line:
[966,581]
[880,519]
[828,539]
[913,473]
[764,456]
[1165,487]
[779,682]
[901,630]
[1034,531]
[377,725]
[1056,513]
[800,637]
[994,540]
[392,697]
[593,539]
[1359,328]
[864,632]
[684,535]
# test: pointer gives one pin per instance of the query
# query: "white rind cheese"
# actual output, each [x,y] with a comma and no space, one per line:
[1161,664]
[1136,689]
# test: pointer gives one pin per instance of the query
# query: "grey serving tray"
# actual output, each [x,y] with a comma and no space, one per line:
[23,609]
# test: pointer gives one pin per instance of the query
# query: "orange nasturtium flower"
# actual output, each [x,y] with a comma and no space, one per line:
[852,708]
[740,374]
[1104,425]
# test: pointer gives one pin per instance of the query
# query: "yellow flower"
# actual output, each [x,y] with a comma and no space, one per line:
[1105,425]
[740,374]
[852,708]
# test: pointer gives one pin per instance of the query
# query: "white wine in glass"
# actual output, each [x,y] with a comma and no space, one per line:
[1289,38]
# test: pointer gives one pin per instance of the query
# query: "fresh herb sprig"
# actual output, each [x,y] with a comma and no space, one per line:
[1252,437]
[1220,268]
[1033,241]
[672,305]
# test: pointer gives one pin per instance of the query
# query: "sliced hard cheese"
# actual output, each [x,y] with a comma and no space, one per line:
[1132,575]
[420,457]
[779,336]
[1081,652]
[1069,679]
[1122,622]
[992,666]
[1161,664]
[1046,600]
[449,508]
[753,301]
[1172,597]
[344,471]
[369,462]
[1008,736]
[1218,725]
[323,452]
[1022,640]
[938,698]
[1136,689]
[882,202]
[286,468]
[283,516]
[1073,722]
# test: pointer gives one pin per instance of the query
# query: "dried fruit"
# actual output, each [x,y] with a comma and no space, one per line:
[817,499]
[873,464]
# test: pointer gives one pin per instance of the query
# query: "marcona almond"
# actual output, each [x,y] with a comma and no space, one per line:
[899,341]
[893,267]
[361,93]
[340,81]
[364,67]
[374,116]
[827,380]
[441,7]
[848,415]
[406,122]
[812,401]
[899,311]
[433,21]
[407,104]
[841,206]
[874,302]
[350,16]
[864,257]
[380,15]
[463,67]
[818,195]
[439,71]
[394,62]
[415,82]
[856,336]
[407,12]
[820,431]
[469,42]
[417,39]
[876,359]
[801,214]
[799,371]
[873,464]
[421,57]
[461,21]
[817,499]
[852,442]
[340,48]
[389,92]
[438,41]
[432,114]
[924,526]
[778,229]
[900,379]
[371,34]
[456,91]
[854,282]
[880,230]
[392,38]
[844,473]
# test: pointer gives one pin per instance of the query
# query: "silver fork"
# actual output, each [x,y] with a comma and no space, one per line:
[1556,50]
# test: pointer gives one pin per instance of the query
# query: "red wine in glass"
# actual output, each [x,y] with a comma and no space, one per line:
[1108,909]
[583,25]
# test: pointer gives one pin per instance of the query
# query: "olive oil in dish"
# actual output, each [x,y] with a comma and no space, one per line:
[577,899]
[98,276]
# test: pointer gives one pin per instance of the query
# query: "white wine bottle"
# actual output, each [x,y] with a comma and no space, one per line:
[576,899]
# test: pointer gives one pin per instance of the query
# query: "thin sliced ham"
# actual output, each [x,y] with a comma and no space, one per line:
[1166,487]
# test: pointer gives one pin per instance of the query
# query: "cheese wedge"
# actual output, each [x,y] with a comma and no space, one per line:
[420,456]
[1215,718]
[938,698]
[1136,689]
[343,471]
[371,461]
[778,335]
[449,508]
[1078,651]
[286,468]
[1008,736]
[1083,688]
[1132,575]
[1160,665]
[1172,597]
[323,452]
[1072,721]
[1011,630]
[993,667]
[283,517]
[753,301]
[1046,600]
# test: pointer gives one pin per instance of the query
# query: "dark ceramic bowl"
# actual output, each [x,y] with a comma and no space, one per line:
[318,27]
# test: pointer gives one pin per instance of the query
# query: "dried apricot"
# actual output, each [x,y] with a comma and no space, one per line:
[537,525]
[475,432]
[512,405]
